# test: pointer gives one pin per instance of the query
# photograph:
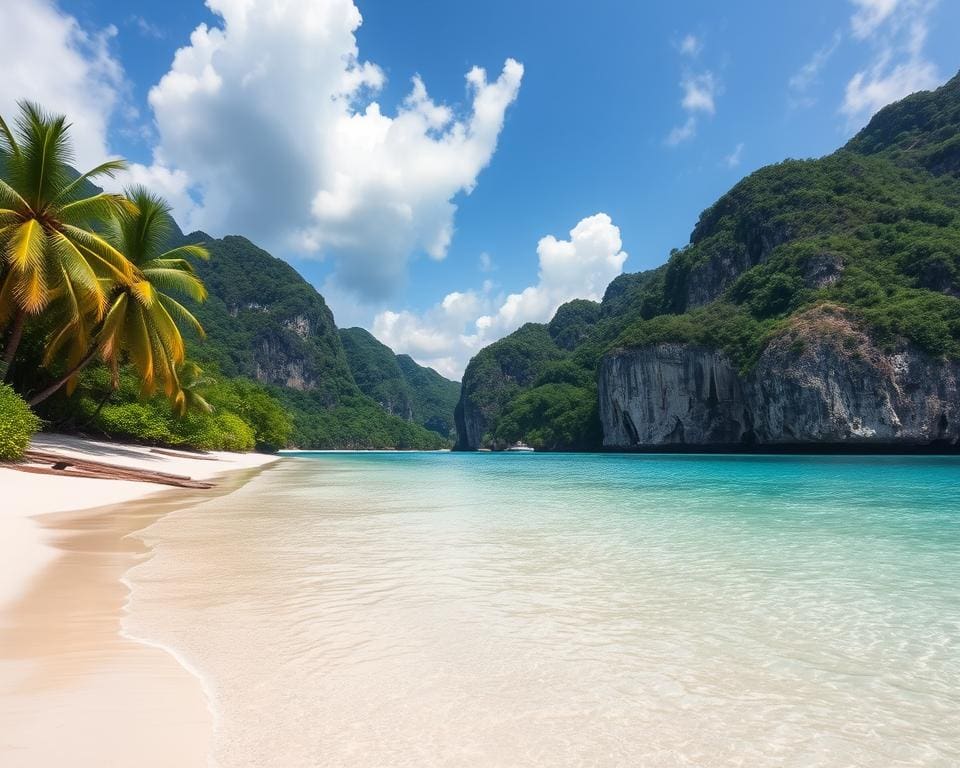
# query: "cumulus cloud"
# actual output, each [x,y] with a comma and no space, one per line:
[49,59]
[897,30]
[448,334]
[272,117]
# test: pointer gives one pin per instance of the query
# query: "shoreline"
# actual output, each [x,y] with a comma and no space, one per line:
[67,664]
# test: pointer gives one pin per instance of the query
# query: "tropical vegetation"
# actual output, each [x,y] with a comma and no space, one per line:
[114,322]
[91,293]
[17,424]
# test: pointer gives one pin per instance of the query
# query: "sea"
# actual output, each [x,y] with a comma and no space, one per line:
[443,609]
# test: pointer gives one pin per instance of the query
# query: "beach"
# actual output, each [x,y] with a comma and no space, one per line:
[412,609]
[75,689]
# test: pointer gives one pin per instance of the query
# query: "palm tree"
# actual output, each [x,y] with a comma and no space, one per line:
[50,250]
[141,320]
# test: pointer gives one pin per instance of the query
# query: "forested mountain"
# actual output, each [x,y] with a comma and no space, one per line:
[398,384]
[271,346]
[818,302]
[263,321]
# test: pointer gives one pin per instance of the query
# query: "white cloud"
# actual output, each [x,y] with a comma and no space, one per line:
[147,28]
[50,59]
[733,159]
[698,93]
[271,117]
[808,75]
[870,14]
[897,30]
[869,91]
[699,97]
[486,262]
[680,133]
[447,335]
[690,46]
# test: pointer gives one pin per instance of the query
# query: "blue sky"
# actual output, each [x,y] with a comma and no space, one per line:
[645,115]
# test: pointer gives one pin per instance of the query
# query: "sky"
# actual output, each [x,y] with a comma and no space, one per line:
[443,172]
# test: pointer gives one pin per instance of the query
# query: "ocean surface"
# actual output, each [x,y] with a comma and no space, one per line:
[569,610]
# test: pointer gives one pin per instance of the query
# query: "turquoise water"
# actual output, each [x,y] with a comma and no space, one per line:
[567,610]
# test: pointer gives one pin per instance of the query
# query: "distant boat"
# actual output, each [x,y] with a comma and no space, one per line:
[520,447]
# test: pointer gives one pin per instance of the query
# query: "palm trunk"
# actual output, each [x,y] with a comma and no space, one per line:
[55,387]
[103,402]
[16,334]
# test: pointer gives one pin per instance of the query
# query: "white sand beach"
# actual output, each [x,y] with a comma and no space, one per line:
[73,689]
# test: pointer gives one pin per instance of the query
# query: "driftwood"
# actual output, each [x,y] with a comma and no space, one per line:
[58,464]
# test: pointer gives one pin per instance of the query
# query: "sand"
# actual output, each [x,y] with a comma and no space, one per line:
[73,689]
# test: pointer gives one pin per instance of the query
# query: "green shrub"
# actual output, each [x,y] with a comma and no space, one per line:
[142,421]
[17,424]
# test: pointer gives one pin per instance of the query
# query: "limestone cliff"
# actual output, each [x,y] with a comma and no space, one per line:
[824,381]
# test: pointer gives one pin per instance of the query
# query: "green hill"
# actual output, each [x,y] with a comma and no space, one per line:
[264,322]
[398,384]
[871,231]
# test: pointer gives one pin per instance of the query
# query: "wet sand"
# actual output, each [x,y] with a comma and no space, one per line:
[73,689]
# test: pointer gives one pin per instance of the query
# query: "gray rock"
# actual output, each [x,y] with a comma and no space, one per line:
[824,381]
[671,394]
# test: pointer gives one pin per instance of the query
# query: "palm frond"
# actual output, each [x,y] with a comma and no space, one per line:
[97,208]
[177,280]
[195,251]
[108,169]
[74,326]
[46,153]
[146,232]
[11,198]
[168,333]
[110,336]
[30,290]
[95,245]
[8,140]
[143,292]
[181,314]
[77,269]
[140,347]
[9,217]
[26,246]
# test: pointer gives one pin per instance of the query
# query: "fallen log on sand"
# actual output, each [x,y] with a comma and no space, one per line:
[45,463]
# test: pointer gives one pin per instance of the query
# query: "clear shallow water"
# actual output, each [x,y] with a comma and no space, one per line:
[560,610]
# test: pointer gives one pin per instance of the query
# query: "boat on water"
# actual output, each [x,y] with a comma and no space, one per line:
[520,447]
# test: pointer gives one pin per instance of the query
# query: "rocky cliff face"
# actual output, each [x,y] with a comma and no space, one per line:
[725,262]
[671,394]
[822,382]
[264,321]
